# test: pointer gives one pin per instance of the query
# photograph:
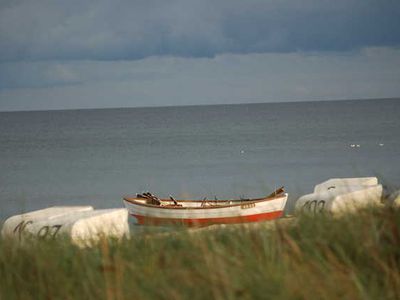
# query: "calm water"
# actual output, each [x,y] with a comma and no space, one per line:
[97,156]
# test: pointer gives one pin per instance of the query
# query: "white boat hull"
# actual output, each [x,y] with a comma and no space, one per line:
[193,214]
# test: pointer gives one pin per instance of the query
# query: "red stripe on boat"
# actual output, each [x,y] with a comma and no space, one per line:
[145,220]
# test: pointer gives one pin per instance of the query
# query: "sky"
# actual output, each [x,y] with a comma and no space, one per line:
[95,54]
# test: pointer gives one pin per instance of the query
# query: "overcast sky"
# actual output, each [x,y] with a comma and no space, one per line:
[121,53]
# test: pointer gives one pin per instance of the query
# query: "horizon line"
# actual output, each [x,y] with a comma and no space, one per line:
[197,105]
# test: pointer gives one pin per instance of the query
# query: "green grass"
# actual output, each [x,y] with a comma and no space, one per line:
[354,257]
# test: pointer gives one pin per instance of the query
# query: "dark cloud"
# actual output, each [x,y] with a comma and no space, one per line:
[227,78]
[123,29]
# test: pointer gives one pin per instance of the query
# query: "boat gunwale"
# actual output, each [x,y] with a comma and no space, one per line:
[245,201]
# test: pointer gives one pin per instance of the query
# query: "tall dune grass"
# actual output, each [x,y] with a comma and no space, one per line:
[354,257]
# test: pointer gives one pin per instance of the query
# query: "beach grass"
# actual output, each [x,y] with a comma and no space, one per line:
[352,257]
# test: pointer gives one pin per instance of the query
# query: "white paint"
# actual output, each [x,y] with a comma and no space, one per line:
[345,183]
[39,215]
[341,195]
[84,228]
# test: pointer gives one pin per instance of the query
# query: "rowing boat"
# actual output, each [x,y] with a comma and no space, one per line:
[150,210]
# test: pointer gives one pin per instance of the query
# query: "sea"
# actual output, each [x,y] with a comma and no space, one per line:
[95,157]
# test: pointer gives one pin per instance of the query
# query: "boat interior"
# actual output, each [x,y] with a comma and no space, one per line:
[149,199]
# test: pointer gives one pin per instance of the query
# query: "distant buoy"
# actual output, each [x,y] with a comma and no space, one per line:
[381,144]
[242,151]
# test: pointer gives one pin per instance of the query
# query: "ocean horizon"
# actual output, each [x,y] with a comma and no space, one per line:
[200,105]
[96,156]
